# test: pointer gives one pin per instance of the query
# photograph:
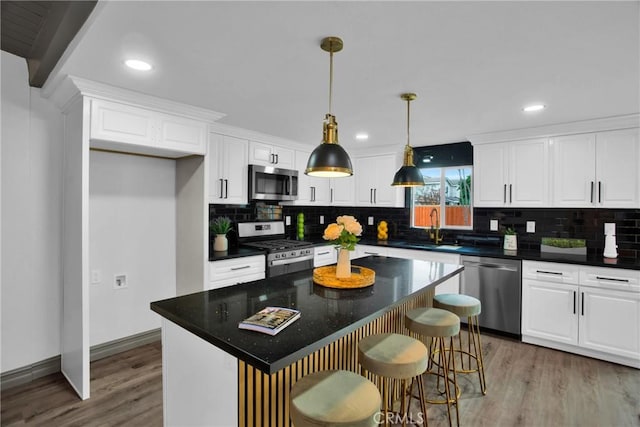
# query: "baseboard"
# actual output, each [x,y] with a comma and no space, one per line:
[110,348]
[52,365]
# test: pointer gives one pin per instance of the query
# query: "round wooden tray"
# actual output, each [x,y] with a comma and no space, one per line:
[361,277]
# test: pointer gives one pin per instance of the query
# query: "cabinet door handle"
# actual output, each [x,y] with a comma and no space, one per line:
[371,195]
[549,272]
[375,196]
[612,279]
[504,194]
[582,308]
[277,159]
[331,195]
[221,188]
[510,193]
[574,302]
[599,191]
[592,191]
[324,253]
[240,268]
[226,188]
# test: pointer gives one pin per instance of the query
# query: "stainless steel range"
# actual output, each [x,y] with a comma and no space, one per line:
[283,255]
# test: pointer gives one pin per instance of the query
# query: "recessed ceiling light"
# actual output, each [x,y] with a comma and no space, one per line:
[362,136]
[137,64]
[534,107]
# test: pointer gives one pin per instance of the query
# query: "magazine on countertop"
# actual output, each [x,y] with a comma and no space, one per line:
[270,320]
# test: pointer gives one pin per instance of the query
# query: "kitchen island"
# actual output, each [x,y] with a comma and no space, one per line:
[217,374]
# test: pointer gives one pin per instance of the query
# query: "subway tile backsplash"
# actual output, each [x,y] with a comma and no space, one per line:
[575,223]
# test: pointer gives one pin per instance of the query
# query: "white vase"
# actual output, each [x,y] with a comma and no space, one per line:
[511,242]
[220,243]
[343,267]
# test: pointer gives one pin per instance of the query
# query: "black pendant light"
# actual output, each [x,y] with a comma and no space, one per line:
[329,159]
[408,175]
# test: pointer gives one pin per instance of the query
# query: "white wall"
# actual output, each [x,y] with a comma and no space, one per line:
[31,174]
[132,231]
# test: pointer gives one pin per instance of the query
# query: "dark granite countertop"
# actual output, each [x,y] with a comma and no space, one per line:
[327,314]
[497,252]
[234,253]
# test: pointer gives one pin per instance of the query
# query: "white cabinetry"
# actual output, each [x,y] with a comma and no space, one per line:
[324,255]
[450,286]
[596,169]
[322,191]
[512,174]
[228,170]
[373,177]
[270,155]
[232,271]
[362,251]
[123,127]
[586,310]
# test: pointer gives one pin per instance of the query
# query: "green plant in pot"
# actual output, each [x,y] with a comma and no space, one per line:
[510,239]
[220,226]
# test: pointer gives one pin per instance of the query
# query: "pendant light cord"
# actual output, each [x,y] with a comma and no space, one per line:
[408,113]
[330,75]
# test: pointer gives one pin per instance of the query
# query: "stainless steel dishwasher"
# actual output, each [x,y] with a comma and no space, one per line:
[496,282]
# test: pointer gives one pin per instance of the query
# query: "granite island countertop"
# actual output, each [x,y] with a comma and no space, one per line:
[326,314]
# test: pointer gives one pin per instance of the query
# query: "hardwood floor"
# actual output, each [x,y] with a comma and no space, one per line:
[527,386]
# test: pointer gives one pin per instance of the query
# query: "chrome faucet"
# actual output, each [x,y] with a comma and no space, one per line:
[434,233]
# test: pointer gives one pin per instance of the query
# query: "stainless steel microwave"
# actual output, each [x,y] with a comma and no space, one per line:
[269,183]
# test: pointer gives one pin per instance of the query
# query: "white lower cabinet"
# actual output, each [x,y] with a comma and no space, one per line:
[232,271]
[586,310]
[324,255]
[362,251]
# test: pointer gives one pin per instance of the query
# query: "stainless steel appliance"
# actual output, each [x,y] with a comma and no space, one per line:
[283,255]
[269,183]
[496,282]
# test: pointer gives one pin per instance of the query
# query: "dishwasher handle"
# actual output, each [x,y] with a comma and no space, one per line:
[488,265]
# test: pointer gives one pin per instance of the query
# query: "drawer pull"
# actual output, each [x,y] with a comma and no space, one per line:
[612,279]
[324,253]
[240,268]
[371,253]
[549,272]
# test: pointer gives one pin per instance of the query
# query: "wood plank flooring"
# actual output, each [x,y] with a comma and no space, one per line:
[527,386]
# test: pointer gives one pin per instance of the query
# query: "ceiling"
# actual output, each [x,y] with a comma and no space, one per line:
[40,31]
[474,65]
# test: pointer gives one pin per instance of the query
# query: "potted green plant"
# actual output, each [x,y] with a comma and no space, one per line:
[510,239]
[220,226]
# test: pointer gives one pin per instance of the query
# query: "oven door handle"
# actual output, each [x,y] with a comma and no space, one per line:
[290,260]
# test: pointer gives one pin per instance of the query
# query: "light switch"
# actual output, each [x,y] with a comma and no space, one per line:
[493,225]
[287,220]
[321,219]
[531,226]
[370,220]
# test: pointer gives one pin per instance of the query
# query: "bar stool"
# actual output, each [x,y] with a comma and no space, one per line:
[439,325]
[469,307]
[395,357]
[334,398]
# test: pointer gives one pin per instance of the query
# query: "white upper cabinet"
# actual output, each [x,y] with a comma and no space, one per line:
[512,174]
[127,128]
[321,191]
[373,178]
[596,169]
[228,170]
[271,155]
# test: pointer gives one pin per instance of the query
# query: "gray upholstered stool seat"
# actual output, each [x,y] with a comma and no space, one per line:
[469,307]
[334,398]
[432,322]
[394,357]
[461,305]
[439,325]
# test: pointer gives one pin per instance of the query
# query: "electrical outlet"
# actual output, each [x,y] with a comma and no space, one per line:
[120,281]
[96,277]
[370,220]
[287,220]
[610,228]
[321,219]
[531,226]
[493,225]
